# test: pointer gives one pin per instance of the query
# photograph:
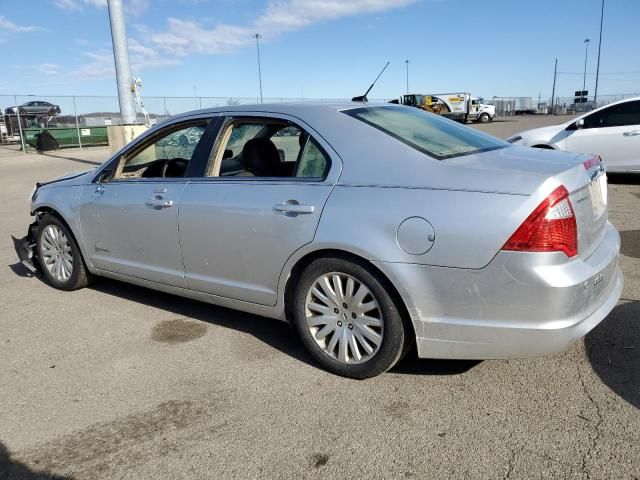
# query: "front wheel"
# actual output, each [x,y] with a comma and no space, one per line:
[347,319]
[60,258]
[484,118]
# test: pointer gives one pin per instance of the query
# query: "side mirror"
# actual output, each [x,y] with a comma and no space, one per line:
[105,176]
[579,124]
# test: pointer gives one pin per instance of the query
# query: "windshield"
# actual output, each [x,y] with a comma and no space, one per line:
[428,133]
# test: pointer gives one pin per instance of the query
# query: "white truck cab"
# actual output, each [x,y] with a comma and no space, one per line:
[480,111]
[463,107]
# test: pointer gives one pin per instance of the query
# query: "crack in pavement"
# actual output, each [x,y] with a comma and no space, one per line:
[596,437]
[510,465]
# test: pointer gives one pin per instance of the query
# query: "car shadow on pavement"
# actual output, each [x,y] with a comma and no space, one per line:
[613,349]
[630,243]
[275,333]
[270,331]
[20,270]
[13,470]
[412,365]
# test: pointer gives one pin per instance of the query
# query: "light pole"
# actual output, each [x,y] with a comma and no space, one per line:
[586,52]
[258,37]
[121,58]
[595,94]
[407,62]
[553,90]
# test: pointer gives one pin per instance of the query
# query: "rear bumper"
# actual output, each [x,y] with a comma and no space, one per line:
[520,305]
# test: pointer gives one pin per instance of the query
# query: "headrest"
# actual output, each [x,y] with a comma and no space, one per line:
[260,157]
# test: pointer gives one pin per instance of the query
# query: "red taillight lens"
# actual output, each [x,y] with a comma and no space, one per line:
[592,162]
[550,228]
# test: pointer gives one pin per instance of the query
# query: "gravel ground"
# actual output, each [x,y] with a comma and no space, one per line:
[117,381]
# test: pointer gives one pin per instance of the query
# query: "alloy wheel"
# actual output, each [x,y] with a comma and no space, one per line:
[55,249]
[344,318]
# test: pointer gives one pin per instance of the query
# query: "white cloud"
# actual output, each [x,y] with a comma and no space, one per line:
[135,7]
[6,24]
[141,57]
[78,4]
[48,69]
[183,37]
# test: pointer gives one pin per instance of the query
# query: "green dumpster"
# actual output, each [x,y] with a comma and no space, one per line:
[68,137]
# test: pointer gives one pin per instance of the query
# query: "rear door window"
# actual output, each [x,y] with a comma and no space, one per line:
[273,148]
[620,115]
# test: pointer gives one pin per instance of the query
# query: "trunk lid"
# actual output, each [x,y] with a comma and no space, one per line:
[514,169]
[537,172]
[590,207]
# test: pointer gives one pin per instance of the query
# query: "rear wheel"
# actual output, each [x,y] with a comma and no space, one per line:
[346,318]
[59,255]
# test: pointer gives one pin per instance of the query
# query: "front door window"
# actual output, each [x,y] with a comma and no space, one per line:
[165,157]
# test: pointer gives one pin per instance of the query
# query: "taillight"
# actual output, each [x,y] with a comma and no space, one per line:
[550,228]
[595,160]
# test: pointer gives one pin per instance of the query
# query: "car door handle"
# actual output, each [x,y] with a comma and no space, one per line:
[293,208]
[159,202]
[632,133]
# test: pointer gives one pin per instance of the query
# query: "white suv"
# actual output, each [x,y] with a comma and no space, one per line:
[612,131]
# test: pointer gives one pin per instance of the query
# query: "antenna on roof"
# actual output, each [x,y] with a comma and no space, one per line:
[363,98]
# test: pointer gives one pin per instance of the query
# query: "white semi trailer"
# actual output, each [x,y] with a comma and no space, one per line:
[458,106]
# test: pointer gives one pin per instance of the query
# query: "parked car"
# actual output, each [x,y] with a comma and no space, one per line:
[34,108]
[612,131]
[386,228]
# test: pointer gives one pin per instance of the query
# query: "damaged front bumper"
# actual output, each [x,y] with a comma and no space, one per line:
[26,249]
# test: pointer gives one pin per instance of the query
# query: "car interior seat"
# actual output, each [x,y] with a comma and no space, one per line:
[261,158]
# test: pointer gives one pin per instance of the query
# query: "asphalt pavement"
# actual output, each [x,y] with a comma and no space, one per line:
[117,381]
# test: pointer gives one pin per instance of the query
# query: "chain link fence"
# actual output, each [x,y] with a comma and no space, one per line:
[82,120]
[508,106]
[79,121]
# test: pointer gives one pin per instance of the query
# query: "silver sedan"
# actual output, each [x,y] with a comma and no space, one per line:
[373,230]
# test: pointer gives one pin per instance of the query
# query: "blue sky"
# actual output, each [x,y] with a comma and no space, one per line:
[321,48]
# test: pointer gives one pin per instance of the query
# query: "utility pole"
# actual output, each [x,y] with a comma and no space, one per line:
[595,94]
[407,62]
[121,58]
[586,53]
[258,37]
[553,90]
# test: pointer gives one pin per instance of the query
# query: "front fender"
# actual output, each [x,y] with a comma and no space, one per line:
[64,201]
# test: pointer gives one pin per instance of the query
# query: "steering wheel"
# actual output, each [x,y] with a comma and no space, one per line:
[177,162]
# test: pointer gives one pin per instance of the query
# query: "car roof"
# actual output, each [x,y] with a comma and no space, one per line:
[291,108]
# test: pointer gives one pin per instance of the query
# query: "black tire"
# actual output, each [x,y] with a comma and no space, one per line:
[484,118]
[393,343]
[21,111]
[80,277]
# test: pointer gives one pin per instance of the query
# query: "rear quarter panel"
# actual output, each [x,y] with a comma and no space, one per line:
[470,227]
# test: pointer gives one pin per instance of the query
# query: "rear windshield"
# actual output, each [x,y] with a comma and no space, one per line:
[436,136]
